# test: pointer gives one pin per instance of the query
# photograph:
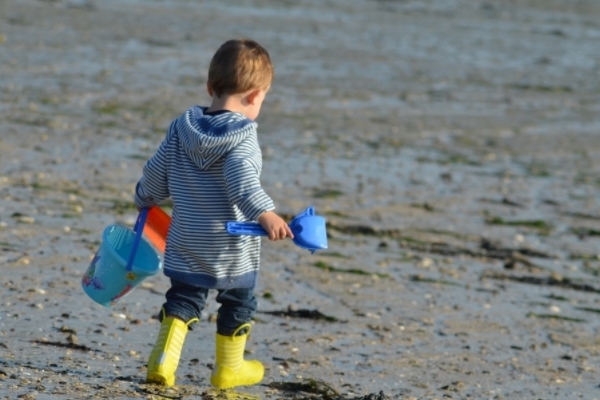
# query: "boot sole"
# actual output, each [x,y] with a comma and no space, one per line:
[160,379]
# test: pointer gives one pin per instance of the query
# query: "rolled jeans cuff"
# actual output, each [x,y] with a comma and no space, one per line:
[179,314]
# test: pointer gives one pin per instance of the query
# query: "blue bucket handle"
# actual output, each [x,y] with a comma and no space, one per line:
[138,229]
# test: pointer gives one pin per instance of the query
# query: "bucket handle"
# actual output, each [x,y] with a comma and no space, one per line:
[138,229]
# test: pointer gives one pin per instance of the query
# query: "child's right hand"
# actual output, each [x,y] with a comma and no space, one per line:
[275,226]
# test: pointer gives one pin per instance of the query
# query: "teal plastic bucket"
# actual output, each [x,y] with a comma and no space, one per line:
[122,262]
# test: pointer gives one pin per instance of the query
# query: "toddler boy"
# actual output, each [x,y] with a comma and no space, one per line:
[209,164]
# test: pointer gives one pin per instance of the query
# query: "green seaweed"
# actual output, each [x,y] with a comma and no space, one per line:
[75,191]
[406,257]
[426,160]
[154,109]
[453,234]
[541,225]
[83,231]
[591,271]
[327,193]
[587,179]
[142,157]
[562,282]
[39,186]
[450,159]
[554,316]
[335,254]
[408,239]
[539,170]
[69,215]
[583,232]
[424,206]
[336,214]
[540,88]
[575,256]
[33,121]
[107,107]
[329,268]
[158,42]
[556,297]
[123,206]
[393,142]
[374,144]
[53,100]
[107,124]
[320,147]
[422,279]
[460,159]
[589,309]
[538,303]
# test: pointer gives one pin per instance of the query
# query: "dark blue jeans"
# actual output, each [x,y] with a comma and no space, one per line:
[187,302]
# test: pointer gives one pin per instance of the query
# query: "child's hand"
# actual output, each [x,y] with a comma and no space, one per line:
[275,226]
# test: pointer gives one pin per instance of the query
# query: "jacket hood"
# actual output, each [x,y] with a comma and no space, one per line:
[207,138]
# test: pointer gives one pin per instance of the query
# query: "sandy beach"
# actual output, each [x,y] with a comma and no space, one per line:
[452,145]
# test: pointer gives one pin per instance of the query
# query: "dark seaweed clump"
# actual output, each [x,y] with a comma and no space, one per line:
[301,313]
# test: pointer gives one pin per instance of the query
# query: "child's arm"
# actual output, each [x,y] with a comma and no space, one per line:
[153,187]
[244,189]
[241,172]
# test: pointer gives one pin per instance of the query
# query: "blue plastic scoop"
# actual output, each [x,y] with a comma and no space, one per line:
[308,229]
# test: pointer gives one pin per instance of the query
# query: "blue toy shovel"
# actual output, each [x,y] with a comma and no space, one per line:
[308,229]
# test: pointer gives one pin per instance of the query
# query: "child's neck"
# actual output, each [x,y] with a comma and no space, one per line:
[227,102]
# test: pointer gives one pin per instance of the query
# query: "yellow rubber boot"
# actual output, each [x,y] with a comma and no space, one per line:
[230,368]
[164,358]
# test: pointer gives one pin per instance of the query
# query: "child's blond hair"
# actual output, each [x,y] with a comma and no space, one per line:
[240,65]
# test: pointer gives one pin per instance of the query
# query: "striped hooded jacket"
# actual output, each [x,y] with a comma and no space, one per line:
[210,166]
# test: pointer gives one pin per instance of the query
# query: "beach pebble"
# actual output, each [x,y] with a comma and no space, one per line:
[72,339]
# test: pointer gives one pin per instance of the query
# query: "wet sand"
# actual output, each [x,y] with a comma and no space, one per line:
[453,146]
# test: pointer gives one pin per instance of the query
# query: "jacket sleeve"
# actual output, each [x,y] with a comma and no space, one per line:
[153,187]
[242,171]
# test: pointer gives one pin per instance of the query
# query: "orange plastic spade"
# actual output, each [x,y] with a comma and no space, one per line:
[157,227]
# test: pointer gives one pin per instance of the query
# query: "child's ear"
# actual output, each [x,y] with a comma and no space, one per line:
[253,95]
[209,89]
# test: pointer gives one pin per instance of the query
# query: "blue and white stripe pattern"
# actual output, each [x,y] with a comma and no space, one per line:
[210,166]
